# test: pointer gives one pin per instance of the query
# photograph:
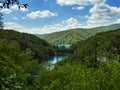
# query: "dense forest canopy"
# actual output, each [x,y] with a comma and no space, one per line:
[101,47]
[93,66]
[39,47]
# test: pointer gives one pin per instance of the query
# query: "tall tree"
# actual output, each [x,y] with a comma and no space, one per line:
[7,4]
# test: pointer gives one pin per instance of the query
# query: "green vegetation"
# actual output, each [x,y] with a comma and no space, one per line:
[62,50]
[95,65]
[101,47]
[75,35]
[39,47]
[16,66]
[77,76]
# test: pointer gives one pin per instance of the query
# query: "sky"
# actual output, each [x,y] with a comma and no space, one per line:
[47,16]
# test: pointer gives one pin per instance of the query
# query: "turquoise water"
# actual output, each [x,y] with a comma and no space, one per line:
[65,45]
[55,59]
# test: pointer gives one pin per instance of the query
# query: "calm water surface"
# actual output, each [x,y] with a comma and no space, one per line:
[56,58]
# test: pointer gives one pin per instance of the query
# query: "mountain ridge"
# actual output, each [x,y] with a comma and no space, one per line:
[74,35]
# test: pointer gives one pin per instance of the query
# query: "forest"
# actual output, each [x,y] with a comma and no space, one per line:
[94,64]
[39,47]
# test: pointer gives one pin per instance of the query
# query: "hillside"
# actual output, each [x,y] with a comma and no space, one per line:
[101,47]
[39,47]
[75,35]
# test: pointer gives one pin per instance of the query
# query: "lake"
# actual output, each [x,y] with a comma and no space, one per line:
[55,59]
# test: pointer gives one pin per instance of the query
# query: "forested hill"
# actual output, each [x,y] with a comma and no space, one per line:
[75,35]
[39,47]
[101,47]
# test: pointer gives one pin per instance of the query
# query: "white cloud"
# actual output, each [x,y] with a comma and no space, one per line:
[41,14]
[78,8]
[20,28]
[79,2]
[118,21]
[24,9]
[98,14]
[15,7]
[97,1]
[101,13]
[72,2]
[71,23]
[64,25]
[6,11]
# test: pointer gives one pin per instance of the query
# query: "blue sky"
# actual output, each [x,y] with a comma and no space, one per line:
[46,16]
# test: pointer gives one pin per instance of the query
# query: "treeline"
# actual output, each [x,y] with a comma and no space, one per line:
[62,50]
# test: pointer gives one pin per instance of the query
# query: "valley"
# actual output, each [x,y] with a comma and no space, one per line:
[94,59]
[59,45]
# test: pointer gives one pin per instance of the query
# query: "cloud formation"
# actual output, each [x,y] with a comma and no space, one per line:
[14,7]
[101,13]
[20,28]
[64,25]
[41,14]
[98,14]
[6,11]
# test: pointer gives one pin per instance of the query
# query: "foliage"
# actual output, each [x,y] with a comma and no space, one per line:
[39,47]
[77,76]
[61,50]
[8,3]
[74,35]
[16,66]
[94,65]
[101,47]
[20,72]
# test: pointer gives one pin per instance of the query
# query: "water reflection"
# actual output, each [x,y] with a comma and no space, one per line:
[55,59]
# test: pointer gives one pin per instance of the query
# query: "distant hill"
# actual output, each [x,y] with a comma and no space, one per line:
[75,35]
[39,47]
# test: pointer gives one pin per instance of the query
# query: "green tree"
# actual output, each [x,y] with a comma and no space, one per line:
[16,66]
